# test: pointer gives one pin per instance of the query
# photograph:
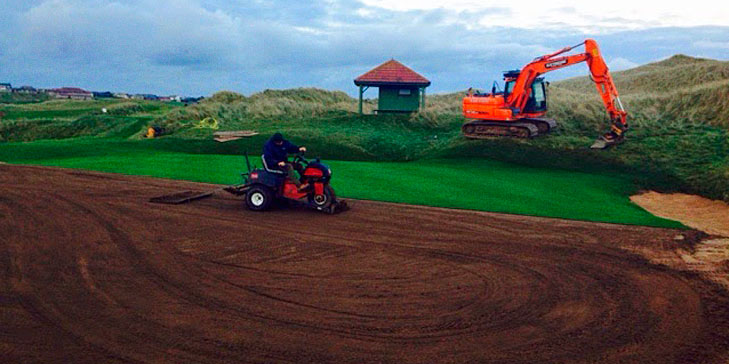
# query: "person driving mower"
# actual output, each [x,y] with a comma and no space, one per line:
[275,155]
[278,180]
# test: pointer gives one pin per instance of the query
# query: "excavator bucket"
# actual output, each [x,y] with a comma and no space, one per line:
[604,143]
[599,143]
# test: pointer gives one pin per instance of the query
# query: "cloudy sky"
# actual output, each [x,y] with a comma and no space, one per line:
[196,47]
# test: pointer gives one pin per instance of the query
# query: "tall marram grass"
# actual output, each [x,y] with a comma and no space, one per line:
[232,109]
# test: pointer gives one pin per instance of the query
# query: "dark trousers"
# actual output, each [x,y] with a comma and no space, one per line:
[291,173]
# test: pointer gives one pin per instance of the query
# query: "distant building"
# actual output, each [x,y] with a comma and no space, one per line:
[73,93]
[103,95]
[401,90]
[170,98]
[121,95]
[145,97]
[6,87]
[191,100]
[25,90]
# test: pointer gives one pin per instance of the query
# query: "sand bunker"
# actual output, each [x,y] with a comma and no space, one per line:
[700,213]
[711,256]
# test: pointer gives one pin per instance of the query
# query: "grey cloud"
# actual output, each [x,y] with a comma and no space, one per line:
[200,46]
[184,57]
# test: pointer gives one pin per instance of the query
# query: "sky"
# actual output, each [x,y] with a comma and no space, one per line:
[198,47]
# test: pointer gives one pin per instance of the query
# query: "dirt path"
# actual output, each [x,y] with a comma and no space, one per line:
[92,272]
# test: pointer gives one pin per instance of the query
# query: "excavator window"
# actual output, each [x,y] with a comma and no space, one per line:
[508,87]
[537,100]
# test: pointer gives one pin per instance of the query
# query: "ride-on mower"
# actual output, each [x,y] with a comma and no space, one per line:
[263,186]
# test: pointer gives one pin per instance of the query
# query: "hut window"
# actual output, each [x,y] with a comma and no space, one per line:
[404,92]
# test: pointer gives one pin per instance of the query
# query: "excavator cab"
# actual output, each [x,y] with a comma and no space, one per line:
[509,81]
[537,102]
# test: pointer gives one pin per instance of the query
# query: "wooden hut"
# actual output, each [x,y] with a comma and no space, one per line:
[401,90]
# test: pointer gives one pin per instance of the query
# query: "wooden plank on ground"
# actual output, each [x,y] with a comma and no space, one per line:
[226,136]
[181,197]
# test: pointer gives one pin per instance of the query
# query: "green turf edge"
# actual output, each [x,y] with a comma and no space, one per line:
[451,183]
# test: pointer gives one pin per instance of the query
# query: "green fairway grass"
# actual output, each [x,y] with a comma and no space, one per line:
[478,184]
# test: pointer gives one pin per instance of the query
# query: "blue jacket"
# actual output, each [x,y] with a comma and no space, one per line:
[277,153]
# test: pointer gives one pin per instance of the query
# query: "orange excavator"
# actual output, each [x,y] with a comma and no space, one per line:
[518,111]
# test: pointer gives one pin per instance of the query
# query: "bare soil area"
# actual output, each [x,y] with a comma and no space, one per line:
[90,271]
[709,256]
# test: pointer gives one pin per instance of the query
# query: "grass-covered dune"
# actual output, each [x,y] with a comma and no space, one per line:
[60,119]
[679,118]
[22,98]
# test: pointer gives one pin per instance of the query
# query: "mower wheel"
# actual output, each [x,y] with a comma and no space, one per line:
[321,202]
[259,198]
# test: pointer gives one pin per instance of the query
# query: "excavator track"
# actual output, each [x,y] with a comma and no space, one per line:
[523,129]
[545,126]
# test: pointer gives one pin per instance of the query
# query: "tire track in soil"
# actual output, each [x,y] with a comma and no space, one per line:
[94,273]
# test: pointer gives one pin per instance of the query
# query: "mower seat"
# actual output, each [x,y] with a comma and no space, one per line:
[271,170]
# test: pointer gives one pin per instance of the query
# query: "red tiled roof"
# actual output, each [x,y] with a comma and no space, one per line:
[391,72]
[70,90]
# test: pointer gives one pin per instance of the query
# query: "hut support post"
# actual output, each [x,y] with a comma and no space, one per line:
[422,98]
[362,90]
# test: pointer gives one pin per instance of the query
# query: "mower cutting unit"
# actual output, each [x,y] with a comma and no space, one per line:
[263,186]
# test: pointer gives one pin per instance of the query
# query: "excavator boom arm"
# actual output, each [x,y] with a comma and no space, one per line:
[598,71]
